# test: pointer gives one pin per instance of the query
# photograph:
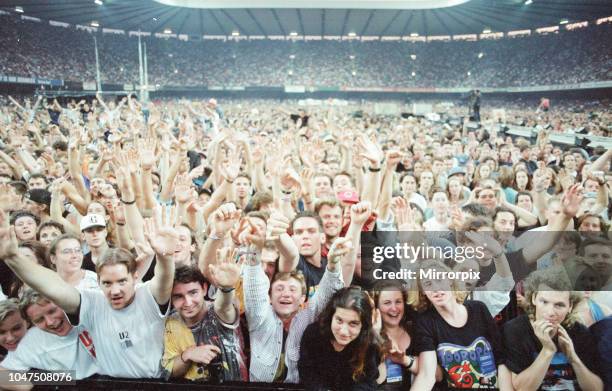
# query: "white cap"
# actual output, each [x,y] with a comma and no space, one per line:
[92,220]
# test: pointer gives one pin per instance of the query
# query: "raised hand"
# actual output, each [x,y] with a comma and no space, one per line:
[8,240]
[393,159]
[370,150]
[230,169]
[277,225]
[253,235]
[404,216]
[224,218]
[360,212]
[340,248]
[225,273]
[571,200]
[162,238]
[182,189]
[147,153]
[489,243]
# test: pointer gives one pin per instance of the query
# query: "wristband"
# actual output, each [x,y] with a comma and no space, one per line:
[287,192]
[374,169]
[128,203]
[120,224]
[228,181]
[213,237]
[227,290]
[412,360]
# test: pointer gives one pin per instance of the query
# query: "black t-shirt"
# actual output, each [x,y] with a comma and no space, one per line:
[522,347]
[295,117]
[468,355]
[518,265]
[398,376]
[54,116]
[312,274]
[322,368]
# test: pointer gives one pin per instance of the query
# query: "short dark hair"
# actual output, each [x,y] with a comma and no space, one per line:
[308,214]
[475,209]
[61,145]
[187,274]
[502,209]
[592,241]
[39,175]
[23,213]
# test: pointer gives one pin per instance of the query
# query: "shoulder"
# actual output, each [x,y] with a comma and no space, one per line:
[476,307]
[311,333]
[517,326]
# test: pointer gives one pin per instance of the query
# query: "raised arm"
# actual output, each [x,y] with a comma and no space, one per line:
[360,213]
[277,227]
[225,274]
[221,221]
[371,151]
[163,239]
[570,204]
[43,280]
[384,201]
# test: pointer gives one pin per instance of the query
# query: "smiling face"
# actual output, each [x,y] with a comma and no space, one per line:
[286,297]
[345,326]
[183,251]
[12,330]
[332,220]
[49,317]
[391,306]
[68,256]
[188,299]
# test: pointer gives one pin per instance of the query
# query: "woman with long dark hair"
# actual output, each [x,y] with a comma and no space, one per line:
[340,351]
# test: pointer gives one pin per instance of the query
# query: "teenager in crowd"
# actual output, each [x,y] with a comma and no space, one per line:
[341,350]
[547,348]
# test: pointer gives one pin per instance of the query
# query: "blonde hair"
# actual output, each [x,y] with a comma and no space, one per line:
[417,298]
[7,308]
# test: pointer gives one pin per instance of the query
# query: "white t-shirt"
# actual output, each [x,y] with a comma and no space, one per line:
[129,341]
[89,281]
[2,295]
[42,350]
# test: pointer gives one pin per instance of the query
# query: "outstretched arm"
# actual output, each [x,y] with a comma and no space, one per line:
[43,280]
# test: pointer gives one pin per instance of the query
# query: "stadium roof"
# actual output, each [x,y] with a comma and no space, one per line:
[468,17]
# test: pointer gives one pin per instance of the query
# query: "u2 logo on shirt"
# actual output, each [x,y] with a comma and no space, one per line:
[124,337]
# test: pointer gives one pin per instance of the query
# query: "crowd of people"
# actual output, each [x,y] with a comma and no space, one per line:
[189,241]
[37,49]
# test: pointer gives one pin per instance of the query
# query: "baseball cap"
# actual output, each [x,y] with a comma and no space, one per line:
[92,220]
[349,196]
[456,171]
[40,196]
